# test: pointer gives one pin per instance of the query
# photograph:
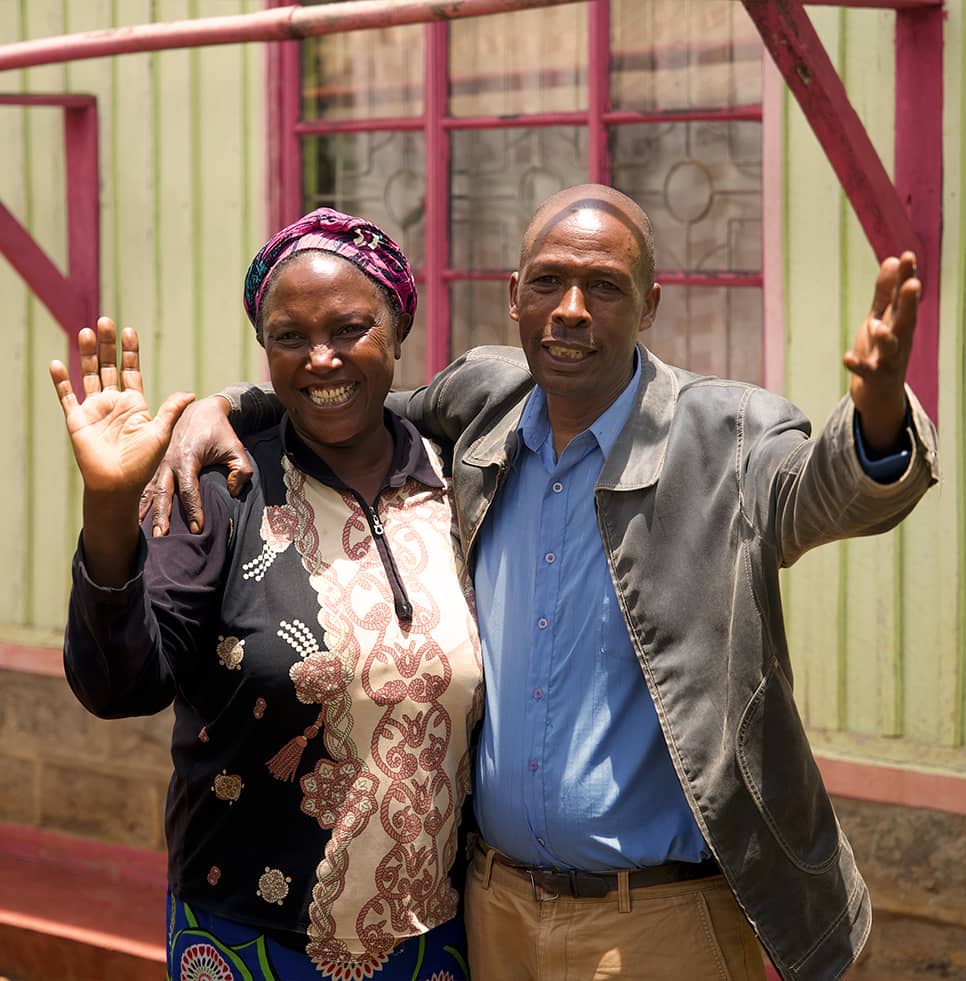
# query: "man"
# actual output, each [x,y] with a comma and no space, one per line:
[645,793]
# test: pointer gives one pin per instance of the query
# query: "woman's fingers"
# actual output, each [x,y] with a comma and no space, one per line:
[131,360]
[98,358]
[107,352]
[89,363]
[65,391]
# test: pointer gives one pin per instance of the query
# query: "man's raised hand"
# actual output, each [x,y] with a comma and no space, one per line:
[880,353]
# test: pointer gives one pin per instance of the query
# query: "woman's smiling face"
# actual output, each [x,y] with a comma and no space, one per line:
[332,342]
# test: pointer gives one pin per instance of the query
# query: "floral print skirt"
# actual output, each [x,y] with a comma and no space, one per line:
[205,947]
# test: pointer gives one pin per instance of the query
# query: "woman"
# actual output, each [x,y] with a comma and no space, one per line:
[317,638]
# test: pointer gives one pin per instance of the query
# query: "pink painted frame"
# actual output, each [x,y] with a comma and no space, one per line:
[72,299]
[284,164]
[436,275]
[895,215]
[772,229]
[919,174]
[278,23]
[900,214]
[437,144]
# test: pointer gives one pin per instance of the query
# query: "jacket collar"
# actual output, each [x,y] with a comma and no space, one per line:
[637,458]
[638,455]
[497,446]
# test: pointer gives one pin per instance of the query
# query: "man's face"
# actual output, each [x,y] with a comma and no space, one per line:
[581,298]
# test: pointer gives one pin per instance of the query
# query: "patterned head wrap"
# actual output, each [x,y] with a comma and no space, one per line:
[365,245]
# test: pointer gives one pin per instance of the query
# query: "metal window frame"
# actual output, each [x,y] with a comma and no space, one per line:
[881,204]
[895,214]
[436,274]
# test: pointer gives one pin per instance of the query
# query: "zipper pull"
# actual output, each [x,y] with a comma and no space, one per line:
[376,523]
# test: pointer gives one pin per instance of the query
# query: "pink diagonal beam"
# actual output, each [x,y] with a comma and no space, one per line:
[798,52]
[894,217]
[54,290]
[72,300]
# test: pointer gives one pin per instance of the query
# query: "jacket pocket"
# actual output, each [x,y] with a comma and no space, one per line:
[780,773]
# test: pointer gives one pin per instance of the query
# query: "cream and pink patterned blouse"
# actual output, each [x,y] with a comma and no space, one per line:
[324,664]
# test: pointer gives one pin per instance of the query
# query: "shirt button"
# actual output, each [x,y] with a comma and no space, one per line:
[557,487]
[550,558]
[534,766]
[538,693]
[543,623]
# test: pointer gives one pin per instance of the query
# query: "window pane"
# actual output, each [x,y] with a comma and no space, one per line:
[683,54]
[379,176]
[711,330]
[700,183]
[363,74]
[525,61]
[480,316]
[499,176]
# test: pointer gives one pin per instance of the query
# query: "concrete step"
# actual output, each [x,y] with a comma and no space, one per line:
[72,909]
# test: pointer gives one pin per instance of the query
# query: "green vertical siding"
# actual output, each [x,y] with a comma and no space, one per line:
[950,521]
[814,261]
[13,436]
[869,644]
[876,625]
[182,142]
[47,525]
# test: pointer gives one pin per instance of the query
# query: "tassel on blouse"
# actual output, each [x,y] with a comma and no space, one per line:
[286,761]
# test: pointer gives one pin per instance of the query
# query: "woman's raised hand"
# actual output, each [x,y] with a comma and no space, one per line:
[116,443]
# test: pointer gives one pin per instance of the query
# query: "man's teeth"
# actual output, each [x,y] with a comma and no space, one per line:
[566,352]
[330,396]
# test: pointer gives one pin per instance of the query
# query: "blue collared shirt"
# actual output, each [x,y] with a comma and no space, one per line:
[572,768]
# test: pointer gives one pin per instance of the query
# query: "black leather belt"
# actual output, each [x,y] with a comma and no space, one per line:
[595,885]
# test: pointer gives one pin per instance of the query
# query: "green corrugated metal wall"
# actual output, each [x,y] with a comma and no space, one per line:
[877,626]
[182,212]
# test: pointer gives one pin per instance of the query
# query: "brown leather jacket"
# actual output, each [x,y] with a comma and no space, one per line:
[711,488]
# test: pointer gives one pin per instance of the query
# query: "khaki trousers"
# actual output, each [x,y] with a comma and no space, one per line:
[681,931]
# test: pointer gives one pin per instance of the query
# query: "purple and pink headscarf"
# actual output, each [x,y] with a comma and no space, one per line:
[364,244]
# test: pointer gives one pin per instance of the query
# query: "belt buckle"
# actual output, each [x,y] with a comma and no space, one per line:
[537,898]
